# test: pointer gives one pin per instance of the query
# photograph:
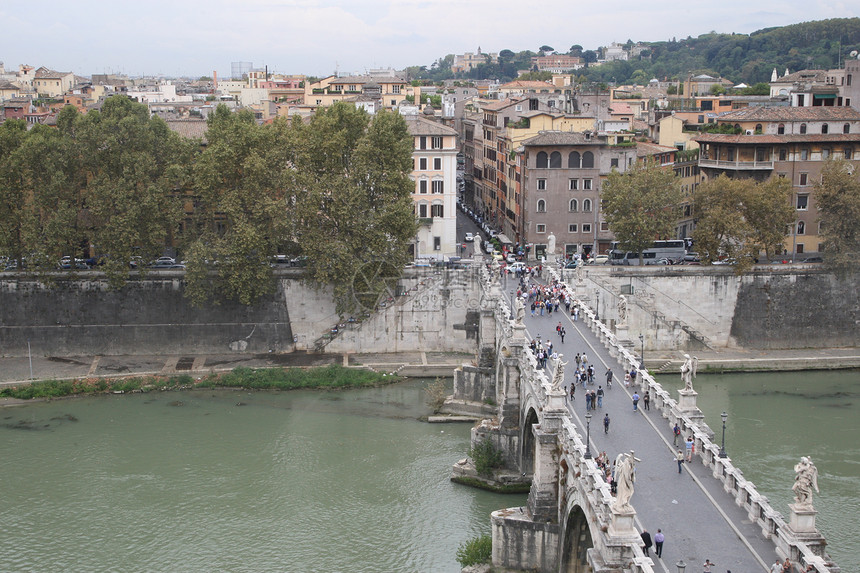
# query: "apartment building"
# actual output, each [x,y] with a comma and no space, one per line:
[789,142]
[51,83]
[434,171]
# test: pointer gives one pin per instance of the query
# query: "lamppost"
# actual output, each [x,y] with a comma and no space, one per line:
[681,566]
[724,416]
[642,355]
[588,435]
[512,304]
[597,306]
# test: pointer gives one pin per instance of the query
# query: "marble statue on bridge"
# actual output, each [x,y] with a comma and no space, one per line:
[805,479]
[558,371]
[622,309]
[625,475]
[688,371]
[520,310]
[550,246]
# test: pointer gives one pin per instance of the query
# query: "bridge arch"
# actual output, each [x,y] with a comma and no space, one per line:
[576,541]
[527,439]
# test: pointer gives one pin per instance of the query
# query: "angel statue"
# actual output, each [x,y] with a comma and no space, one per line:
[805,479]
[622,309]
[520,310]
[558,372]
[625,476]
[688,371]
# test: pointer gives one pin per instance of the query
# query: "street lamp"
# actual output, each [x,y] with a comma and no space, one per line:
[681,566]
[588,435]
[642,355]
[724,416]
[512,304]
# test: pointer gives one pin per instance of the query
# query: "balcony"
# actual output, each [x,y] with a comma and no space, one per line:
[736,165]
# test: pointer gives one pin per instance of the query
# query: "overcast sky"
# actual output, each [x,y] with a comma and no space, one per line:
[316,37]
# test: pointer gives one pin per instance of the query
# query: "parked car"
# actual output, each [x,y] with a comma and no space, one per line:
[518,266]
[812,260]
[599,260]
[162,265]
[510,259]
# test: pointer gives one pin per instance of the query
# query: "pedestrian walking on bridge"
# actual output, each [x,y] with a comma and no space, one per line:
[658,543]
[635,402]
[646,542]
[679,457]
[606,424]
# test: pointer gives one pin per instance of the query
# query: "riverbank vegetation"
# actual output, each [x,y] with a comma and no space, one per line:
[332,377]
[475,551]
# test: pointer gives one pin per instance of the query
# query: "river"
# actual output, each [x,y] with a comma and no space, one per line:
[236,481]
[340,481]
[773,420]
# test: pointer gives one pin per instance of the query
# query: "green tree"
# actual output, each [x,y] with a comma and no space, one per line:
[838,198]
[243,180]
[641,205]
[13,194]
[355,212]
[739,218]
[134,163]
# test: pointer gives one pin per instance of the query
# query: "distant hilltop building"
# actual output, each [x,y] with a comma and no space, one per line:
[469,60]
[557,64]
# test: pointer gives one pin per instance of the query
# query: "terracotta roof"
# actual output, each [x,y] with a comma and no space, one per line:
[368,79]
[803,76]
[742,139]
[500,105]
[620,109]
[644,149]
[189,128]
[548,138]
[781,113]
[419,125]
[526,84]
[44,73]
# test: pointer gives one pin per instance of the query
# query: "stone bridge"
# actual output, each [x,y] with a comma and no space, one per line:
[571,522]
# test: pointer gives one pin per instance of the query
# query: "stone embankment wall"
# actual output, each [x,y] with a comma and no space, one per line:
[148,316]
[798,306]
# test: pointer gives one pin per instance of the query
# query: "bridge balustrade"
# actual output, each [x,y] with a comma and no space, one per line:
[759,510]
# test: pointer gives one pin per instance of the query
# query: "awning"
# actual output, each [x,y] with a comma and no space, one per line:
[503,239]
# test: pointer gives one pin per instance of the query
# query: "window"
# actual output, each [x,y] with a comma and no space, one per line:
[573,205]
[804,154]
[782,154]
[586,228]
[802,128]
[780,130]
[802,202]
[555,160]
[436,142]
[572,229]
[438,187]
[587,160]
[586,184]
[846,128]
[437,163]
[801,228]
[825,153]
[847,152]
[604,226]
[437,210]
[824,128]
[541,206]
[540,228]
[422,186]
[586,205]
[573,160]
[573,184]
[422,210]
[395,89]
[422,142]
[804,179]
[758,128]
[542,160]
[613,162]
[541,184]
[422,164]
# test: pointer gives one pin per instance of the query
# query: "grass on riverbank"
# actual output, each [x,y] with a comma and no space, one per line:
[328,377]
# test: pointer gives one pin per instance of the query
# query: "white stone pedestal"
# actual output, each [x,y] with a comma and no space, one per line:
[622,524]
[519,335]
[556,400]
[687,400]
[622,332]
[802,518]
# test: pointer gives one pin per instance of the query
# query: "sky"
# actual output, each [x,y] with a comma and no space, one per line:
[318,37]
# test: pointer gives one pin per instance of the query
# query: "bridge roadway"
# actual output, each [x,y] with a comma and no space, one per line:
[699,520]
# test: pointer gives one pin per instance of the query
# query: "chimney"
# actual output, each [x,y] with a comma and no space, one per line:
[215,79]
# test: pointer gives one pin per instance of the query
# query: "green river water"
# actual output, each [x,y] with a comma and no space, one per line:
[346,481]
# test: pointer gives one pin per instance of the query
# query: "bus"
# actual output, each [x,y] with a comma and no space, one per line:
[673,250]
